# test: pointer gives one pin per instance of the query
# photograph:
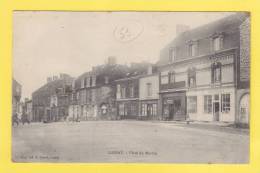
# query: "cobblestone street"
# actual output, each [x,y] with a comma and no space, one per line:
[128,141]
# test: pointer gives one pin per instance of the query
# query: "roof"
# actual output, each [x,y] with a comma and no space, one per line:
[224,25]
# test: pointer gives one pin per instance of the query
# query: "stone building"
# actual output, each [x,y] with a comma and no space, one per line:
[243,96]
[127,92]
[16,98]
[50,102]
[93,94]
[149,94]
[199,75]
[27,109]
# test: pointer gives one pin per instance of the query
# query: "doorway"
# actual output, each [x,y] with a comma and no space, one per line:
[171,111]
[216,111]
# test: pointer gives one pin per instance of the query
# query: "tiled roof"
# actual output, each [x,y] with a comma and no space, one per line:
[227,24]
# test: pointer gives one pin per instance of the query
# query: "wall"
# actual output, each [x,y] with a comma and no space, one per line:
[201,115]
[154,80]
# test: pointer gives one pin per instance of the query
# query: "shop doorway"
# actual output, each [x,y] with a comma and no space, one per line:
[216,111]
[171,111]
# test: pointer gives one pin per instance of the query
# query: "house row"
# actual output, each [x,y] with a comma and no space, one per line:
[202,75]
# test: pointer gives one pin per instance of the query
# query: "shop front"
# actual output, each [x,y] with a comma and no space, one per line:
[128,109]
[174,106]
[149,109]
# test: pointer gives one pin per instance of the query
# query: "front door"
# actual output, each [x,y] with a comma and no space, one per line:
[171,111]
[149,109]
[216,111]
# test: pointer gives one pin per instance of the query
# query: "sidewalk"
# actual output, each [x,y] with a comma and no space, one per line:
[212,126]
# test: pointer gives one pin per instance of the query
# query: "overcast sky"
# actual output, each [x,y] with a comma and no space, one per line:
[49,43]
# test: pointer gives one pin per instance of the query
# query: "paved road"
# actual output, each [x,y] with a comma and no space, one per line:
[127,141]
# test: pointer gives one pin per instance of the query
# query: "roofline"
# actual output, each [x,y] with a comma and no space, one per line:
[198,57]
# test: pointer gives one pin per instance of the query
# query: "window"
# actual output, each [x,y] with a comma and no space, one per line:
[123,92]
[106,79]
[225,100]
[154,112]
[171,77]
[121,109]
[192,104]
[82,83]
[216,72]
[90,81]
[192,49]
[191,77]
[131,91]
[216,43]
[172,54]
[149,89]
[144,109]
[207,104]
[118,91]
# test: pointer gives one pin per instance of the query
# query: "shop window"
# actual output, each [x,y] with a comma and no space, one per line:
[216,72]
[192,104]
[207,104]
[149,89]
[144,109]
[154,112]
[121,109]
[225,103]
[171,77]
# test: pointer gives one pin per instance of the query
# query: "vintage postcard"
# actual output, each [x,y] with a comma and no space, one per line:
[131,87]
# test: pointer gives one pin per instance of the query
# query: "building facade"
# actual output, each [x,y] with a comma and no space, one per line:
[93,96]
[199,72]
[50,102]
[131,90]
[28,110]
[149,96]
[16,98]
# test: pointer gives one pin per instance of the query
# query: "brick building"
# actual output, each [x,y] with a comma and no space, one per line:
[50,102]
[199,76]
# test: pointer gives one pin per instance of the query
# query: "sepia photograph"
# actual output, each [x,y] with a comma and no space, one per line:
[131,87]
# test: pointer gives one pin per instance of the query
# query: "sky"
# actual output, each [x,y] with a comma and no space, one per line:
[47,43]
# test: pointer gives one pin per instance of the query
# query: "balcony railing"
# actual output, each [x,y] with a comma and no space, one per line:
[174,85]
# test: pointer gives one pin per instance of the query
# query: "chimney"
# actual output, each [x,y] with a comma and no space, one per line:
[111,60]
[180,28]
[150,70]
[55,77]
[49,79]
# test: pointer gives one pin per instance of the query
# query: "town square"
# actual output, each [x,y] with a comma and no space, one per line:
[131,87]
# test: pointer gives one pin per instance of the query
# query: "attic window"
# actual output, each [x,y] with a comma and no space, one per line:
[192,49]
[217,42]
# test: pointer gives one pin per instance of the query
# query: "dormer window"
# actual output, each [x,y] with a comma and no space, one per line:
[192,48]
[172,54]
[217,42]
